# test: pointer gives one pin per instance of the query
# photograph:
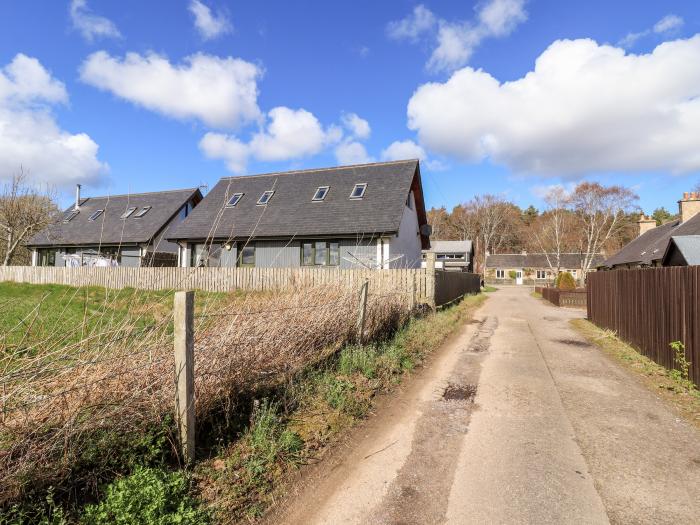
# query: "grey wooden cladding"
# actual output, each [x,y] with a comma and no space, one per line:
[650,308]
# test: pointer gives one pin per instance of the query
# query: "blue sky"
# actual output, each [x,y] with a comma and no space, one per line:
[342,76]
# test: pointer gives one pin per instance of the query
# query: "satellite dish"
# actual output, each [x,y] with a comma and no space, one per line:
[426,229]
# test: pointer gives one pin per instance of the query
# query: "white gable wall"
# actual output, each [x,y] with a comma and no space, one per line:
[407,241]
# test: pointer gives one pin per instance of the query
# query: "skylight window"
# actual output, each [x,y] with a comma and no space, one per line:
[234,200]
[95,215]
[72,215]
[143,211]
[358,191]
[128,212]
[265,197]
[321,193]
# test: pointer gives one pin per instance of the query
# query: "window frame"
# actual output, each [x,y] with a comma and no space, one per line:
[543,273]
[96,215]
[269,193]
[354,197]
[72,215]
[238,196]
[328,249]
[128,212]
[143,211]
[239,255]
[316,198]
[501,272]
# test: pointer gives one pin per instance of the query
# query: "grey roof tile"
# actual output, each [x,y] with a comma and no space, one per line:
[536,260]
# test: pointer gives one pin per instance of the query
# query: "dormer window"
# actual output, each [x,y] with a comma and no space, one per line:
[72,215]
[321,193]
[95,215]
[265,197]
[234,200]
[143,211]
[358,191]
[128,212]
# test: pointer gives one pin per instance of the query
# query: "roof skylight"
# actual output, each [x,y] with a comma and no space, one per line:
[358,191]
[321,193]
[234,200]
[128,212]
[72,215]
[265,197]
[143,211]
[95,215]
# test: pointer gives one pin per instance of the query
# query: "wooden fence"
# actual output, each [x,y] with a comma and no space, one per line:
[435,288]
[568,298]
[650,309]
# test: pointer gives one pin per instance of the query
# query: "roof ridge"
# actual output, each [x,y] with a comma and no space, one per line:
[136,194]
[329,168]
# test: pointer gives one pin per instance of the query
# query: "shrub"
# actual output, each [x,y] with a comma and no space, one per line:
[512,274]
[565,281]
[149,497]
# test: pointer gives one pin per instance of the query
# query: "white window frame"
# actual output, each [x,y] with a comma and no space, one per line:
[129,212]
[95,215]
[265,197]
[143,211]
[324,192]
[500,274]
[72,215]
[541,274]
[362,185]
[235,199]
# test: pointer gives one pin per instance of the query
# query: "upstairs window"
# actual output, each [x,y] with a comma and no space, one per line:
[265,197]
[321,193]
[128,212]
[95,215]
[234,200]
[143,211]
[72,215]
[358,191]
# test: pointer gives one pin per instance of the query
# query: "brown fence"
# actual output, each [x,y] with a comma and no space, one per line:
[650,309]
[438,290]
[568,298]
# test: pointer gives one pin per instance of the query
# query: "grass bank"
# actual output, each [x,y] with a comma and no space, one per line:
[681,394]
[298,423]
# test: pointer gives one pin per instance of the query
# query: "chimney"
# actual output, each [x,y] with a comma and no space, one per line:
[645,224]
[524,252]
[689,205]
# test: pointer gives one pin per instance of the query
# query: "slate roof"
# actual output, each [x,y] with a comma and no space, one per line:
[688,246]
[109,228]
[651,245]
[451,246]
[536,260]
[291,211]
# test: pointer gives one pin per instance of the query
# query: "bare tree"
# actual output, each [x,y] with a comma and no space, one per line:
[24,210]
[551,229]
[439,219]
[601,214]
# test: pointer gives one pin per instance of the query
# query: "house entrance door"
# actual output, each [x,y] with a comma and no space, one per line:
[518,277]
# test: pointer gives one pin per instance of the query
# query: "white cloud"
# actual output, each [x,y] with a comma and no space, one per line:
[209,25]
[289,134]
[29,134]
[455,41]
[91,26]
[221,92]
[352,152]
[356,125]
[584,108]
[667,26]
[402,150]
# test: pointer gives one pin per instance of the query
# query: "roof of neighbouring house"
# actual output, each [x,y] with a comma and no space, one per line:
[109,228]
[451,246]
[536,260]
[651,245]
[688,246]
[291,212]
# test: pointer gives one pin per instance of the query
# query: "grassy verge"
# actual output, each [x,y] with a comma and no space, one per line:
[489,289]
[536,295]
[298,423]
[681,394]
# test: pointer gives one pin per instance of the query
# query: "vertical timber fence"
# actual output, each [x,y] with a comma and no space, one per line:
[650,308]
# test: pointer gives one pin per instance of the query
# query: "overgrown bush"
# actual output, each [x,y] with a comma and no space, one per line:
[148,497]
[565,281]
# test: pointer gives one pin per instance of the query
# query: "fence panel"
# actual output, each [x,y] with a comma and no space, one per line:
[452,285]
[649,309]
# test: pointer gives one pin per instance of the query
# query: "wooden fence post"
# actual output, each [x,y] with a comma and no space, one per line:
[184,372]
[431,285]
[362,311]
[413,292]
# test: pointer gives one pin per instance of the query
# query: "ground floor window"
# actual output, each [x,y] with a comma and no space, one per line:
[541,274]
[46,257]
[500,274]
[320,253]
[246,254]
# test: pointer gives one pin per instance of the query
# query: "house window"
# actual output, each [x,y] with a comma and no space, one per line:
[46,257]
[408,201]
[95,215]
[500,274]
[320,253]
[541,274]
[573,273]
[234,200]
[321,193]
[143,211]
[358,191]
[247,255]
[265,197]
[128,212]
[72,215]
